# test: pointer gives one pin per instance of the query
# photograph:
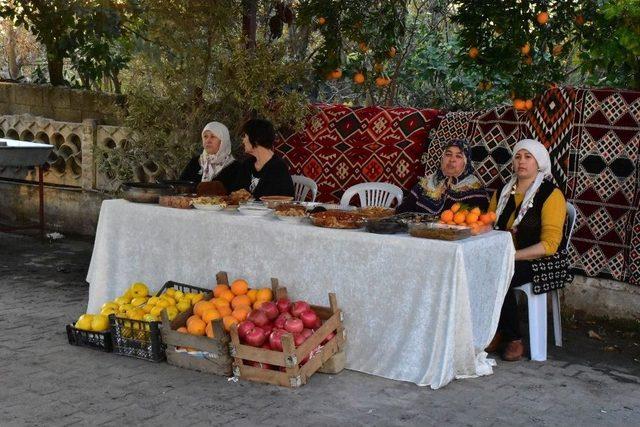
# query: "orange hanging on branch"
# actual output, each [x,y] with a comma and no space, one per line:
[358,78]
[543,18]
[473,52]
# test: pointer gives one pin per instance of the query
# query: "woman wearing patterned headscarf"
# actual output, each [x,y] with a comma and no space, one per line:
[215,163]
[533,209]
[453,183]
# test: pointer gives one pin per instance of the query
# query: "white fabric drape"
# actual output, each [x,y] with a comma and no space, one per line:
[415,310]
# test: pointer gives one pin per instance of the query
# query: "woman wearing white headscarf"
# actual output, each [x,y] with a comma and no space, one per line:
[533,209]
[215,163]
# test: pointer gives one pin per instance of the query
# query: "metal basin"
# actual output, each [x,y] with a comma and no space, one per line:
[139,192]
[23,153]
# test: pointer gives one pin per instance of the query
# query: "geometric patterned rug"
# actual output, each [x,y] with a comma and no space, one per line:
[341,146]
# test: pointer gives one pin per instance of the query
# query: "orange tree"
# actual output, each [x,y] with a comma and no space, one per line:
[522,46]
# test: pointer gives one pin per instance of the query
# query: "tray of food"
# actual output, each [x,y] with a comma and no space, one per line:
[291,212]
[179,202]
[439,231]
[376,212]
[214,203]
[415,218]
[337,219]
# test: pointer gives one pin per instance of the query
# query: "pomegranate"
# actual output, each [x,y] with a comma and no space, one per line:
[275,339]
[258,364]
[295,326]
[245,327]
[268,328]
[306,333]
[298,339]
[283,304]
[279,322]
[308,318]
[258,317]
[299,307]
[318,323]
[255,337]
[270,309]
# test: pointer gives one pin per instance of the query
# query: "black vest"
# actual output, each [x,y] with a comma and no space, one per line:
[527,233]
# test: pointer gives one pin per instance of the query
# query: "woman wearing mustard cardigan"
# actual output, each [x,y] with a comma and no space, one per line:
[533,209]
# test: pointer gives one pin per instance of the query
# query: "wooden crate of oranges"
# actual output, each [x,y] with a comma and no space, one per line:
[198,338]
[290,355]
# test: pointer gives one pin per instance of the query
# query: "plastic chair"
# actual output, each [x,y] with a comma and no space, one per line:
[537,307]
[373,194]
[302,185]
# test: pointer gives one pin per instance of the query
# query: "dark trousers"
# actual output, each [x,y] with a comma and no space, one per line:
[509,324]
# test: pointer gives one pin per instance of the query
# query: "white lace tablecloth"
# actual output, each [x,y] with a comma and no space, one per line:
[415,309]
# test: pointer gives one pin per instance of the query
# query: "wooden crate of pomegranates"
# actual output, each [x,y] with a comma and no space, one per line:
[206,353]
[285,343]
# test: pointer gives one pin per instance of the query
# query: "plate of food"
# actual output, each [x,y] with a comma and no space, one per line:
[376,212]
[237,197]
[214,203]
[252,208]
[290,212]
[337,219]
[273,201]
[439,231]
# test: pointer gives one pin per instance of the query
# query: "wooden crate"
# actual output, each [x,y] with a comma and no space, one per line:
[295,373]
[217,360]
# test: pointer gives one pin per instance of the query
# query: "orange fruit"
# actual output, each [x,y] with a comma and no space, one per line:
[451,223]
[336,74]
[519,104]
[224,311]
[228,321]
[528,104]
[182,329]
[459,218]
[220,302]
[492,215]
[264,294]
[239,287]
[476,211]
[542,18]
[382,81]
[363,47]
[485,218]
[473,52]
[257,304]
[471,218]
[446,215]
[580,20]
[392,52]
[219,289]
[210,314]
[208,330]
[358,78]
[525,49]
[240,300]
[192,318]
[455,207]
[252,294]
[197,327]
[228,295]
[322,21]
[202,306]
[241,312]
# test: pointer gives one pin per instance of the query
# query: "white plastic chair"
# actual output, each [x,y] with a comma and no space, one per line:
[537,308]
[373,194]
[302,185]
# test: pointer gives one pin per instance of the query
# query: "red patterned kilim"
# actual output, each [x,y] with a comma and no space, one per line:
[341,146]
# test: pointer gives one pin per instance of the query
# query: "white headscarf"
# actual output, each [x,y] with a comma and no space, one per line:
[212,164]
[540,153]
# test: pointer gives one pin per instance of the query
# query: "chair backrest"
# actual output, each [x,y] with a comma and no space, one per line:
[373,194]
[571,222]
[302,186]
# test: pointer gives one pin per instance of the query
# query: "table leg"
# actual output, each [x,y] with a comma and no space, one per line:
[41,199]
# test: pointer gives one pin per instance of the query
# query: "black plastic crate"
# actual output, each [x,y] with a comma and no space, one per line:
[181,287]
[96,340]
[137,338]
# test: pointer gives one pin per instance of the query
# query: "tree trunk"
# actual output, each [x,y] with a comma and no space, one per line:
[54,64]
[14,70]
[249,22]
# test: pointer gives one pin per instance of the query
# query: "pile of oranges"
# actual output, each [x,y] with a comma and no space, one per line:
[232,304]
[473,218]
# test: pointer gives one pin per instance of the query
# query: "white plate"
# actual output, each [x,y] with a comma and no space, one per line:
[208,207]
[254,211]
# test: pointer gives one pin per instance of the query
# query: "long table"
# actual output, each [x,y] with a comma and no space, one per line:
[416,310]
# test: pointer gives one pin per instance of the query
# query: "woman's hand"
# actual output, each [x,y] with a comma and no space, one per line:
[532,252]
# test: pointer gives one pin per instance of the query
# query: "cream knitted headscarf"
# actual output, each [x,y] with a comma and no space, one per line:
[212,164]
[540,153]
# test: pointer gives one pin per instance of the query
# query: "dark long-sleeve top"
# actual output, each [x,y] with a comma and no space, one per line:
[230,176]
[272,180]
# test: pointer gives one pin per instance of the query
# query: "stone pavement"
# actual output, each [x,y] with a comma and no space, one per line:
[46,382]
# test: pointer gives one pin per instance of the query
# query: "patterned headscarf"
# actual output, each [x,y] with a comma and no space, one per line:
[212,164]
[433,191]
[540,153]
